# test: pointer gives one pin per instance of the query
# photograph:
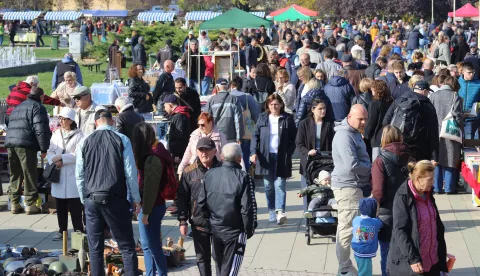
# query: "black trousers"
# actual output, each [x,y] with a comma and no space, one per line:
[76,210]
[203,250]
[38,40]
[115,213]
[229,254]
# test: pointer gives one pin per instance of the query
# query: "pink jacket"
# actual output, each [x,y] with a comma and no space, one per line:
[191,151]
[209,66]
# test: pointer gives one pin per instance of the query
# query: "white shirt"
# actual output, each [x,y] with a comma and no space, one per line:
[304,91]
[274,138]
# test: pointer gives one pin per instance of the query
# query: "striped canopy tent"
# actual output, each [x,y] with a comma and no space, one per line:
[201,15]
[298,8]
[291,14]
[63,15]
[258,13]
[156,16]
[29,15]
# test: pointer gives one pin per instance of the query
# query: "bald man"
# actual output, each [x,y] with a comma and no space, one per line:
[428,65]
[165,83]
[350,180]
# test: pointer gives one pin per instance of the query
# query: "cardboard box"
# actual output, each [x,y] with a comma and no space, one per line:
[41,200]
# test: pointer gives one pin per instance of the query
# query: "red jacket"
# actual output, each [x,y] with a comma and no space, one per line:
[182,110]
[19,94]
[209,66]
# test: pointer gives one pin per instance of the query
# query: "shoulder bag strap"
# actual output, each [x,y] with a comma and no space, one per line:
[63,141]
[219,112]
[246,99]
[183,101]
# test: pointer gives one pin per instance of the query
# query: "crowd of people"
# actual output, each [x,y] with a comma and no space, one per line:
[375,94]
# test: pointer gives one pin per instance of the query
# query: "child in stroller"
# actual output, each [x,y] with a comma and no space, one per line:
[321,197]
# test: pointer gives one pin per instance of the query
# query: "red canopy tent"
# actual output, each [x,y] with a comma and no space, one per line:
[466,11]
[302,10]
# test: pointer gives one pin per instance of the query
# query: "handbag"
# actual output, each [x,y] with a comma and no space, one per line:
[52,172]
[248,123]
[450,129]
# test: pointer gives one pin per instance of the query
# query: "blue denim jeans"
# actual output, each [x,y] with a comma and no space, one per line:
[152,241]
[409,55]
[384,247]
[245,145]
[445,178]
[1,40]
[206,85]
[471,129]
[274,187]
[193,83]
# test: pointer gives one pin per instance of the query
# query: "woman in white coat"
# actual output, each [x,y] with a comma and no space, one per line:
[62,152]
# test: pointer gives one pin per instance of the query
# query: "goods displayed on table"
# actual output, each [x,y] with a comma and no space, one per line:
[106,93]
[471,173]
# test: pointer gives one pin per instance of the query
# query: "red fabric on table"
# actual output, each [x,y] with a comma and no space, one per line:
[470,179]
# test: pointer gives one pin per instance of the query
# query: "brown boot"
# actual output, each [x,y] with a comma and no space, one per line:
[17,208]
[32,210]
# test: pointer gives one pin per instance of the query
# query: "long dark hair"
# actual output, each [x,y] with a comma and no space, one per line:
[314,104]
[143,137]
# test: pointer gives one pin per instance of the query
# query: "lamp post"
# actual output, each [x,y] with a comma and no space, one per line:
[454,12]
[432,9]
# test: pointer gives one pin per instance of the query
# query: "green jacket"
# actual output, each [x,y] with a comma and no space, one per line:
[316,190]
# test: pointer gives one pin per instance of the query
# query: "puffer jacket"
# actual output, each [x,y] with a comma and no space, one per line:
[228,201]
[389,171]
[191,152]
[340,92]
[363,98]
[188,191]
[28,126]
[66,187]
[306,104]
[138,90]
[373,71]
[470,93]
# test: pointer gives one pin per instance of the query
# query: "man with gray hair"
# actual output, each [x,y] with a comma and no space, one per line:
[67,64]
[340,92]
[28,133]
[140,56]
[228,201]
[127,118]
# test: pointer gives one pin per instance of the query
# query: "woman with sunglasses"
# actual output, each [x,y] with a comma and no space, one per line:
[63,145]
[206,128]
[139,90]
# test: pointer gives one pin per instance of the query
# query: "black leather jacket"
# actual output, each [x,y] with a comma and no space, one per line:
[192,181]
[127,119]
[138,90]
[28,126]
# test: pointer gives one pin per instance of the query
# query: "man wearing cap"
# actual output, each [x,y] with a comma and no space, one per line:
[127,118]
[193,70]
[425,145]
[179,126]
[140,56]
[86,109]
[28,132]
[354,73]
[227,200]
[473,50]
[103,174]
[193,177]
[226,112]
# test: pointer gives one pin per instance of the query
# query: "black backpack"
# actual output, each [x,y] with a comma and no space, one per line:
[407,117]
[260,96]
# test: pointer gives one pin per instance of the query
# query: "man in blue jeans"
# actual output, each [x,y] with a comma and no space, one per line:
[470,94]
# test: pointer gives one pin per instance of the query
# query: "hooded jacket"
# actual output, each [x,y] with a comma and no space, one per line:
[179,130]
[340,92]
[350,157]
[470,93]
[389,171]
[425,146]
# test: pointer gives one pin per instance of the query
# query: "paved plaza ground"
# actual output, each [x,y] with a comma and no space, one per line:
[276,250]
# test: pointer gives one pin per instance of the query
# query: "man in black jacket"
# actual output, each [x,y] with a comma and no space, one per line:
[127,118]
[165,83]
[179,132]
[228,201]
[189,98]
[28,133]
[251,54]
[192,182]
[373,71]
[140,56]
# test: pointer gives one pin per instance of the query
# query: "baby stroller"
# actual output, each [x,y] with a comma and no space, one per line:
[315,164]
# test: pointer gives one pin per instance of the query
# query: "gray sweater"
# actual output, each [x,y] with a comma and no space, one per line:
[350,157]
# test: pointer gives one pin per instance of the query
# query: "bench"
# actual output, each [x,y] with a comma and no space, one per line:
[90,66]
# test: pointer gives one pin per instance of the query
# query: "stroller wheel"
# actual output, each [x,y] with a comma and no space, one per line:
[307,237]
[310,232]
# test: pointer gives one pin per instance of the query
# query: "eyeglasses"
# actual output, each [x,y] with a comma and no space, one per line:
[77,98]
[201,125]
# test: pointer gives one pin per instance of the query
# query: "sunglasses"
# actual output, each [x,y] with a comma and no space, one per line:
[77,98]
[201,125]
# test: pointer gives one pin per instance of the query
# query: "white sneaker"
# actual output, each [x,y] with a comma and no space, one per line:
[308,214]
[273,216]
[281,218]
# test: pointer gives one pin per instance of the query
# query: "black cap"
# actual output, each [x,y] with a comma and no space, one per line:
[206,143]
[422,85]
[347,58]
[170,98]
[103,113]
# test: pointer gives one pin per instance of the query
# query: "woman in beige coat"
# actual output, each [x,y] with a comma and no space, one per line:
[65,89]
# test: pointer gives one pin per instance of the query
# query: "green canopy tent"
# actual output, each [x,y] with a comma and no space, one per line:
[291,14]
[235,18]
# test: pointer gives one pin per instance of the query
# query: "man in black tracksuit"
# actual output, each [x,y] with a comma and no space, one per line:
[228,201]
[192,182]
